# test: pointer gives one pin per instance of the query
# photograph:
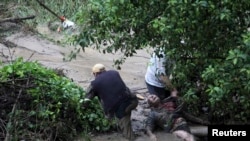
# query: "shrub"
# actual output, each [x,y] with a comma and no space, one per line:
[39,103]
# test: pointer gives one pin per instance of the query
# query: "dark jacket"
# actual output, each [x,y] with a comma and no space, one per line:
[110,89]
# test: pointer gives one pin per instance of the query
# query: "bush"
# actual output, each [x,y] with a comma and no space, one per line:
[40,103]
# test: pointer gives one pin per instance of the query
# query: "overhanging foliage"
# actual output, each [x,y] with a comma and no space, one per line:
[208,40]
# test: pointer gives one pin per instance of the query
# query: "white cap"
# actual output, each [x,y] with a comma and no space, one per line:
[98,68]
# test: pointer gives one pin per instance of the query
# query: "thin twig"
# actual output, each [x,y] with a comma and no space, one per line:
[8,135]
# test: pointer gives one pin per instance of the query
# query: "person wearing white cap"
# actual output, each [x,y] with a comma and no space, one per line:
[116,98]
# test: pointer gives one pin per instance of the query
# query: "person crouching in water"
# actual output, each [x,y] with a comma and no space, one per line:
[115,97]
[165,114]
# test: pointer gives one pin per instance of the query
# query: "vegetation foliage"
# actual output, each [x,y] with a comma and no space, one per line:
[207,39]
[25,8]
[39,103]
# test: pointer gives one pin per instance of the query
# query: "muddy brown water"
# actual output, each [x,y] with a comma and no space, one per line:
[32,47]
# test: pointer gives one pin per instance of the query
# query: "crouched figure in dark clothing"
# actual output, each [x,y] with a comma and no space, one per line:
[115,97]
[165,115]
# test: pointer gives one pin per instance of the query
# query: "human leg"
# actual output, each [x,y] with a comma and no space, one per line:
[186,136]
[126,128]
[182,130]
[150,88]
[160,92]
[124,115]
[133,104]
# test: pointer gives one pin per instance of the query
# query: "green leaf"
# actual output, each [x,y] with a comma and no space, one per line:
[9,70]
[235,61]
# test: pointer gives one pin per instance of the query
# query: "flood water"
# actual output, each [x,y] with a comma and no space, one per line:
[32,46]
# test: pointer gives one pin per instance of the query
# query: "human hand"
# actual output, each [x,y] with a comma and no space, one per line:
[167,82]
[85,103]
[174,93]
[109,116]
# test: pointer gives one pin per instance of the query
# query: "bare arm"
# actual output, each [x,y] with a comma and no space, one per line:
[168,84]
[89,95]
[90,92]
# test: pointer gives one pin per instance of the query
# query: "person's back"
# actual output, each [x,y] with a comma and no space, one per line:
[110,88]
[115,97]
[156,67]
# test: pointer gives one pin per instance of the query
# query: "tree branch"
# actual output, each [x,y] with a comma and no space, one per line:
[195,119]
[16,20]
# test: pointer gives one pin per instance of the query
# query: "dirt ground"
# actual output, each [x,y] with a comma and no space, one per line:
[32,46]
